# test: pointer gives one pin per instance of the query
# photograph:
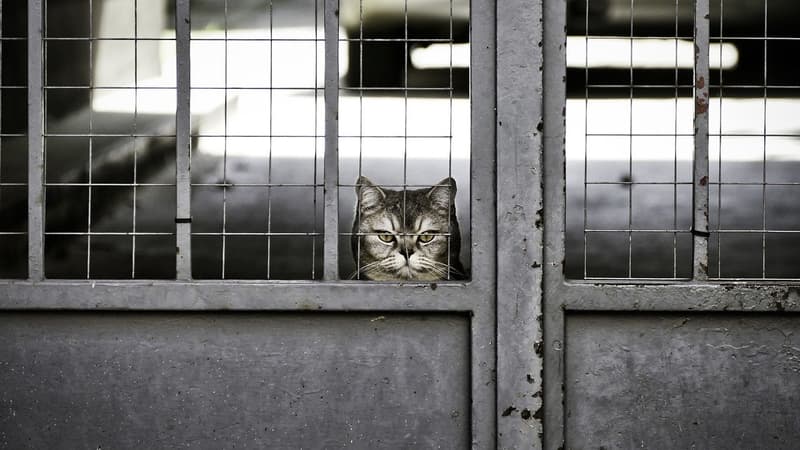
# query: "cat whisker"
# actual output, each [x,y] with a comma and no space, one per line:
[366,268]
[441,269]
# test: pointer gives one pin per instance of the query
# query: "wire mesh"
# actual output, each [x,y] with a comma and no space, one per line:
[108,139]
[404,132]
[629,140]
[13,140]
[622,105]
[258,73]
[753,144]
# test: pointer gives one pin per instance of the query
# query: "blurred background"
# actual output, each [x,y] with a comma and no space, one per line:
[258,122]
[630,139]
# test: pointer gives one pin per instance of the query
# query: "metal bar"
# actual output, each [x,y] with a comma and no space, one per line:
[721,297]
[2,42]
[35,144]
[554,175]
[637,295]
[183,149]
[483,142]
[135,129]
[256,296]
[764,154]
[519,224]
[225,139]
[702,79]
[718,135]
[331,201]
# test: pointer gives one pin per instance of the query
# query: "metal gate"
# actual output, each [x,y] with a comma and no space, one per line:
[666,321]
[561,330]
[116,348]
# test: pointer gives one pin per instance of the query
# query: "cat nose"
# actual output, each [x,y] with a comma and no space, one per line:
[408,251]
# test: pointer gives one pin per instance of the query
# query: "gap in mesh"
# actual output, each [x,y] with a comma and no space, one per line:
[109,141]
[403,127]
[256,159]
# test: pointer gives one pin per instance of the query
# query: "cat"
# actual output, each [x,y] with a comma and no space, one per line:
[420,242]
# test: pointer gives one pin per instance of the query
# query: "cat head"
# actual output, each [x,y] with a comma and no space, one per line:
[406,235]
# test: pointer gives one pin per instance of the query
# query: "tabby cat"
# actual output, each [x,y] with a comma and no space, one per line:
[390,243]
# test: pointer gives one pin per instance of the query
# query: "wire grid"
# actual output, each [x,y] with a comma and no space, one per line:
[109,134]
[629,146]
[13,140]
[754,215]
[257,151]
[401,127]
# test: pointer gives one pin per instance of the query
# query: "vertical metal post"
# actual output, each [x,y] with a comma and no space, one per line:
[35,144]
[183,150]
[331,242]
[702,26]
[554,218]
[519,223]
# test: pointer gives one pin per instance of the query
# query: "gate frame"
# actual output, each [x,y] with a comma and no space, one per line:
[562,296]
[476,299]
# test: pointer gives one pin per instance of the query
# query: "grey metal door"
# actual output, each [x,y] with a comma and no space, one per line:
[669,284]
[96,350]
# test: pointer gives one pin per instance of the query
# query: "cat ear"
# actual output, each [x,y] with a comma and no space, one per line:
[370,197]
[443,194]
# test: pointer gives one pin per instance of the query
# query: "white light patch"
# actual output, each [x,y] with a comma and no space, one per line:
[440,56]
[730,116]
[644,53]
[248,58]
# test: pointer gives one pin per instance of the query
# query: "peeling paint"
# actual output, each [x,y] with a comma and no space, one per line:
[701,104]
[700,83]
[507,412]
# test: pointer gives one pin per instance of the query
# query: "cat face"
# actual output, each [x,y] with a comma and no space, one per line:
[411,235]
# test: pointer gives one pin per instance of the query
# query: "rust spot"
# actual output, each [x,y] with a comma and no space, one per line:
[525,414]
[508,411]
[539,414]
[538,347]
[434,286]
[701,106]
[700,83]
[704,181]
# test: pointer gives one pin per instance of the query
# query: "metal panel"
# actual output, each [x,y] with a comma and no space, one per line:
[165,380]
[682,381]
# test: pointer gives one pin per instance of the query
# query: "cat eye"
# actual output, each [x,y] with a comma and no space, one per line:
[425,238]
[386,237]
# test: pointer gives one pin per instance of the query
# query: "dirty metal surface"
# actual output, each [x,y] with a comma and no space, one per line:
[233,380]
[519,225]
[682,381]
